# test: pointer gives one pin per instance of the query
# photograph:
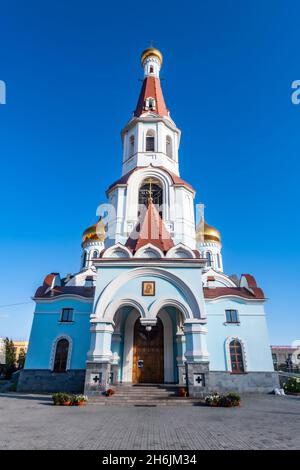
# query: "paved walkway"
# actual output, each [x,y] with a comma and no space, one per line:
[262,422]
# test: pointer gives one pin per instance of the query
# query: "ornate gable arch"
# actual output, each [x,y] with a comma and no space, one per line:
[103,312]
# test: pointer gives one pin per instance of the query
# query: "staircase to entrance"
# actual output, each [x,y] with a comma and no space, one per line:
[144,395]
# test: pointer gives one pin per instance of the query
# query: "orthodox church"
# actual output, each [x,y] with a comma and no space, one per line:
[151,302]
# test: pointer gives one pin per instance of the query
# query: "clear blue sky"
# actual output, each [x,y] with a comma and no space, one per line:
[72,71]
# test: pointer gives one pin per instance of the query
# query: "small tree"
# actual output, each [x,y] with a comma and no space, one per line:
[10,357]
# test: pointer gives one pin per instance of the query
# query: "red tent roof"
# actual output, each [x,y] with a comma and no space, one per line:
[151,88]
[150,230]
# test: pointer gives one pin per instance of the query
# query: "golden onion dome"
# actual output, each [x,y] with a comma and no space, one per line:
[211,234]
[96,232]
[151,51]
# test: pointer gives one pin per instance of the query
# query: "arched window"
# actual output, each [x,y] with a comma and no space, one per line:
[150,141]
[169,146]
[151,69]
[219,261]
[156,193]
[61,355]
[236,356]
[95,254]
[209,258]
[131,145]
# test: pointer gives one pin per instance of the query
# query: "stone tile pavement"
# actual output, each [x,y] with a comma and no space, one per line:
[262,422]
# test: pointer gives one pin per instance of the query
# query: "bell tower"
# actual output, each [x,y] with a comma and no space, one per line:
[151,136]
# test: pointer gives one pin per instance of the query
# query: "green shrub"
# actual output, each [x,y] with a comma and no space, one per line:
[229,400]
[292,385]
[60,397]
[234,398]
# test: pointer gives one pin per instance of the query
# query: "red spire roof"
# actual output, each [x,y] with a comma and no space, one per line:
[151,88]
[150,230]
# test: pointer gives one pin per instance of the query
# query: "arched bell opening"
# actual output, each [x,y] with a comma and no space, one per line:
[151,189]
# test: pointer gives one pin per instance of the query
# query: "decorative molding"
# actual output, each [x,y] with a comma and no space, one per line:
[86,300]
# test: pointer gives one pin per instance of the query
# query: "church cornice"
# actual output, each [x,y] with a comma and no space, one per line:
[145,119]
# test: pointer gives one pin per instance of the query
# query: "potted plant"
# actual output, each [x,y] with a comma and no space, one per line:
[109,392]
[65,399]
[56,398]
[234,398]
[182,392]
[213,399]
[226,401]
[79,400]
[62,399]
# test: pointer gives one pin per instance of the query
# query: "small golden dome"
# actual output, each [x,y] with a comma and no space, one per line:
[95,232]
[151,51]
[211,234]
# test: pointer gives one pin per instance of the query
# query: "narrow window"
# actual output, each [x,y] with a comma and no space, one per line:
[95,254]
[169,146]
[131,147]
[150,141]
[231,316]
[61,355]
[236,357]
[219,261]
[84,259]
[67,315]
[208,256]
[151,69]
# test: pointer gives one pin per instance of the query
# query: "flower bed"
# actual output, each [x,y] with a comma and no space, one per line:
[292,386]
[227,401]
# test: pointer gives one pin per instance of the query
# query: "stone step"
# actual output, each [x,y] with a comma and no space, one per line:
[108,402]
[143,395]
[157,392]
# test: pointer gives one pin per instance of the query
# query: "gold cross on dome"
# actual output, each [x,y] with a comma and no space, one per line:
[150,181]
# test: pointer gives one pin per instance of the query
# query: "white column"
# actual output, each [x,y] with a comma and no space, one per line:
[100,350]
[196,347]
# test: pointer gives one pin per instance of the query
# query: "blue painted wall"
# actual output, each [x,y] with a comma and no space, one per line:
[46,327]
[252,330]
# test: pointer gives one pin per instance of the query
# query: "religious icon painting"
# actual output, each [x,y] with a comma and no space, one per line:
[148,288]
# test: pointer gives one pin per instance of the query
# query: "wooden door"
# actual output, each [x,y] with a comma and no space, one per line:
[148,353]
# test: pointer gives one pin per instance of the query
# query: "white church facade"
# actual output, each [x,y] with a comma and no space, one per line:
[151,302]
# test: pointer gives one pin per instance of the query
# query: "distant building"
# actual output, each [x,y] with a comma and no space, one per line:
[2,351]
[20,346]
[286,355]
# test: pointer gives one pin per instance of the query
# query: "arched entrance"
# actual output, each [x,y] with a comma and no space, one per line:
[148,353]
